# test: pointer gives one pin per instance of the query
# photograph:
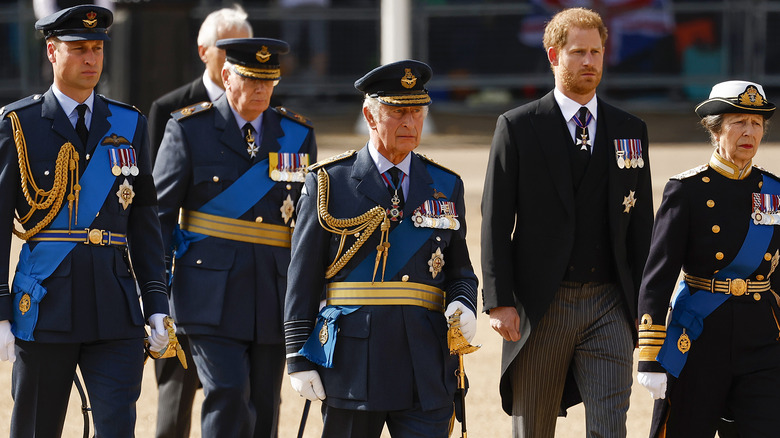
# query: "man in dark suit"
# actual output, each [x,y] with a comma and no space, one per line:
[75,169]
[567,215]
[220,24]
[235,170]
[176,385]
[390,223]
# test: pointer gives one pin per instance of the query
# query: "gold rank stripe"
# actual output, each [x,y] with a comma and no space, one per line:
[389,293]
[407,99]
[648,354]
[256,73]
[652,327]
[657,341]
[235,229]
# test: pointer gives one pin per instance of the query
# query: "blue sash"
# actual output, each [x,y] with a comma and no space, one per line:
[246,191]
[405,240]
[37,265]
[690,309]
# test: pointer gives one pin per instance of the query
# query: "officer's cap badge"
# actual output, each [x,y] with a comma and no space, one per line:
[408,80]
[91,20]
[263,55]
[751,97]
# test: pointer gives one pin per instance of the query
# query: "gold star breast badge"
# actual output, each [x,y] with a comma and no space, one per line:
[629,201]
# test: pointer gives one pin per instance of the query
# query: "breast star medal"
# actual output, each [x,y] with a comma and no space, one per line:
[125,194]
[629,201]
[436,263]
[287,209]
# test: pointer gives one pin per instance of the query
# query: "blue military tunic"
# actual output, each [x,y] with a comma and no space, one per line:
[92,294]
[386,357]
[225,287]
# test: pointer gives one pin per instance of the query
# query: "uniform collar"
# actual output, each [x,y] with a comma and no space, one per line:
[729,169]
[383,164]
[256,123]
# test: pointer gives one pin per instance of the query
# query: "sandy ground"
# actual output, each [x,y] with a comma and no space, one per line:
[466,155]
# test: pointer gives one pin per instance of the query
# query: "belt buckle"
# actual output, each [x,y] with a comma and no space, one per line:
[737,287]
[94,236]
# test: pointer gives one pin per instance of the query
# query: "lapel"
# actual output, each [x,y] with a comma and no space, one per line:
[420,185]
[225,122]
[272,131]
[51,109]
[610,123]
[368,181]
[99,126]
[197,92]
[553,141]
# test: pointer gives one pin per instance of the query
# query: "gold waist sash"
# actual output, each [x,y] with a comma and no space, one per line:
[388,293]
[733,286]
[235,229]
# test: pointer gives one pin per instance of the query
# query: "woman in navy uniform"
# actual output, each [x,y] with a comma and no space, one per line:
[75,168]
[382,250]
[719,349]
[228,176]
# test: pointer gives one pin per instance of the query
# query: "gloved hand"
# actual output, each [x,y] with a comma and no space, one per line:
[468,320]
[308,384]
[654,382]
[6,342]
[158,338]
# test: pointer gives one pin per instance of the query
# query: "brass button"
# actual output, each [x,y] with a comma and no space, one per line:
[215,178]
[199,262]
[706,179]
[88,157]
[715,229]
[710,203]
[259,219]
[46,172]
[289,187]
[438,238]
[405,278]
[719,255]
[757,296]
[767,257]
[760,184]
[759,277]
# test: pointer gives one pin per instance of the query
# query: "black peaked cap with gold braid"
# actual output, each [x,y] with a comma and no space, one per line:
[255,58]
[79,23]
[400,83]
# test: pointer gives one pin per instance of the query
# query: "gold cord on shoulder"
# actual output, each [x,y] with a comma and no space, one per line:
[365,224]
[67,163]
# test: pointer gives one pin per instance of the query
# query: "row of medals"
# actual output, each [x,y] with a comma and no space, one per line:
[627,164]
[124,170]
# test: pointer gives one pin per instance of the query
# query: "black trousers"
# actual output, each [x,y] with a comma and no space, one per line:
[242,382]
[410,423]
[42,379]
[177,388]
[733,367]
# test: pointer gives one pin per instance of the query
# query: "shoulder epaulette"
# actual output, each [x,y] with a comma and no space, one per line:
[293,116]
[766,172]
[691,172]
[189,110]
[116,102]
[331,160]
[430,160]
[21,103]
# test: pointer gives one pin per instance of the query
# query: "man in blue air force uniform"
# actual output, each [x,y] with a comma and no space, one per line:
[75,168]
[381,237]
[229,174]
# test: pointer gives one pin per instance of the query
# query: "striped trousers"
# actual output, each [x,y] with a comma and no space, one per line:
[585,328]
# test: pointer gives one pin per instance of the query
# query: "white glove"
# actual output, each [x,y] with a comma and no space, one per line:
[158,338]
[6,342]
[654,382]
[468,320]
[308,384]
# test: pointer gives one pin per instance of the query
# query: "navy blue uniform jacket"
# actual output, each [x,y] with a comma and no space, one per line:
[92,295]
[224,287]
[383,353]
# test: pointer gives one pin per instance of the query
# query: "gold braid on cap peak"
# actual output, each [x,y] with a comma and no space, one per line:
[406,99]
[257,73]
[67,161]
[365,224]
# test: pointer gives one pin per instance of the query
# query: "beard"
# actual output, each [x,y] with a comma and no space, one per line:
[577,84]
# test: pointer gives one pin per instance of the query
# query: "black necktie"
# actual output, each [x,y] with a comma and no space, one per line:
[81,124]
[396,180]
[251,146]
